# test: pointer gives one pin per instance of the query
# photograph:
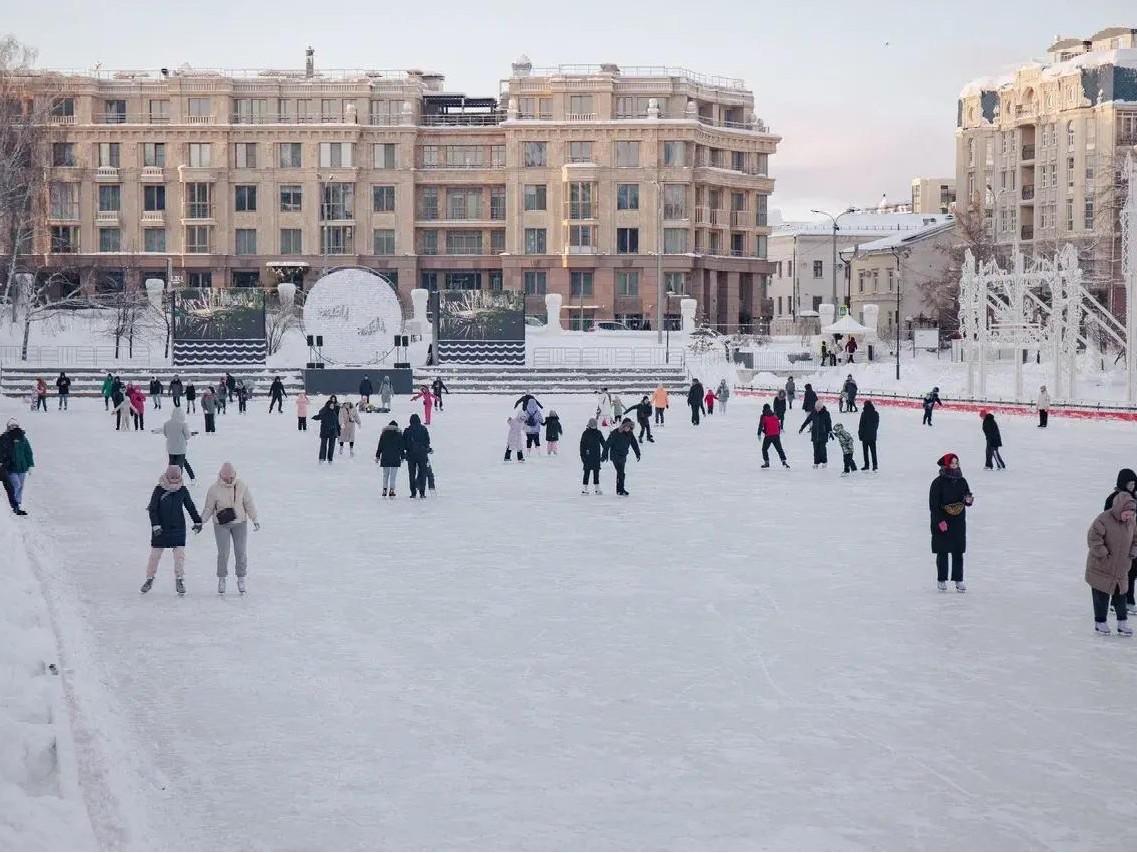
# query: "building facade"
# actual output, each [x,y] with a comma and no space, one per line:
[570,180]
[1039,153]
[933,195]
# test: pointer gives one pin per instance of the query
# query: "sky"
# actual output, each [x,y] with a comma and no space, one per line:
[863,94]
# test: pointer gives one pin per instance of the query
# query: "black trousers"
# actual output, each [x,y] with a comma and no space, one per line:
[645,426]
[417,473]
[532,439]
[210,426]
[594,470]
[850,465]
[928,417]
[509,455]
[618,463]
[242,403]
[869,448]
[180,460]
[774,441]
[659,415]
[327,448]
[956,566]
[139,420]
[275,401]
[106,403]
[790,400]
[438,402]
[695,415]
[1103,600]
[1043,417]
[41,402]
[177,401]
[820,453]
[1132,580]
[993,455]
[191,405]
[851,405]
[302,424]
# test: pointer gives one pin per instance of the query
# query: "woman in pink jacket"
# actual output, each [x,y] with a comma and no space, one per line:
[302,412]
[427,403]
[137,406]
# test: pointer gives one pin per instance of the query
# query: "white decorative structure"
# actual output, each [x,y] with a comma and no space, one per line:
[553,312]
[358,314]
[154,288]
[286,290]
[687,313]
[1129,273]
[827,312]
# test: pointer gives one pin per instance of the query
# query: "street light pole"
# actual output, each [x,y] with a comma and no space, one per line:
[899,279]
[659,297]
[836,228]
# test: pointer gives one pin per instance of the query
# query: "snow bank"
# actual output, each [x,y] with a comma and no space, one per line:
[40,804]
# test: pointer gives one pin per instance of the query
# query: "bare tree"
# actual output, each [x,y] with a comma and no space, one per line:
[126,314]
[941,293]
[42,296]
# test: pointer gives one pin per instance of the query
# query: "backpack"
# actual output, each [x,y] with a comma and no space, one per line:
[532,419]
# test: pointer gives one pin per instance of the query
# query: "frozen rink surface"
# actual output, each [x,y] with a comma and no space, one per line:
[729,658]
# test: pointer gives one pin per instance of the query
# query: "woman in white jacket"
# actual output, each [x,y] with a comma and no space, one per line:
[230,504]
[1043,406]
[349,420]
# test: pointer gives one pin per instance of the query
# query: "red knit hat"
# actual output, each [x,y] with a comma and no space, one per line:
[946,460]
[982,413]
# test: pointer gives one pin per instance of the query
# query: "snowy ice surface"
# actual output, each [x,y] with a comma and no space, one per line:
[730,658]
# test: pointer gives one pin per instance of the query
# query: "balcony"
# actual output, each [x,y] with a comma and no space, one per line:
[453,120]
[61,120]
[153,217]
[1028,152]
[1028,192]
[578,117]
[336,213]
[738,219]
[201,119]
[1027,232]
[582,250]
[68,213]
[106,217]
[153,174]
[106,173]
[674,211]
[711,216]
[580,210]
[198,211]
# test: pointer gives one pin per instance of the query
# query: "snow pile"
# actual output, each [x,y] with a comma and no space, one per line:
[1124,57]
[40,805]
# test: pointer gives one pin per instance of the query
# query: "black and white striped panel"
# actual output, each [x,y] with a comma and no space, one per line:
[237,351]
[481,352]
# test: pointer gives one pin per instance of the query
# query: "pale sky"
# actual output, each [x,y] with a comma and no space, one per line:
[863,94]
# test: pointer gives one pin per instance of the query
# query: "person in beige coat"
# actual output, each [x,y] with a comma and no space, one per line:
[349,420]
[230,504]
[1112,548]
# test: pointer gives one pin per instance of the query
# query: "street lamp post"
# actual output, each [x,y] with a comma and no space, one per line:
[899,280]
[659,297]
[836,228]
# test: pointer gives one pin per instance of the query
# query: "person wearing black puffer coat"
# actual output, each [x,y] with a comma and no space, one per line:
[389,455]
[553,433]
[695,400]
[808,404]
[620,441]
[994,442]
[416,448]
[593,451]
[948,500]
[329,418]
[866,432]
[820,432]
[779,408]
[1127,484]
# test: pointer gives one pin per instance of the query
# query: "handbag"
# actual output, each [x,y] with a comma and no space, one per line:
[227,515]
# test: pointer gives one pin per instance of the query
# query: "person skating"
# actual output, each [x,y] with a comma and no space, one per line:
[770,431]
[209,409]
[176,390]
[276,396]
[243,397]
[994,441]
[791,392]
[851,349]
[603,406]
[416,449]
[553,432]
[948,500]
[820,424]
[779,408]
[137,406]
[230,504]
[1043,406]
[523,402]
[931,400]
[302,403]
[156,391]
[349,420]
[824,353]
[63,390]
[385,394]
[618,409]
[427,403]
[220,399]
[191,398]
[845,440]
[866,431]
[177,433]
[850,389]
[122,414]
[16,462]
[389,456]
[722,394]
[108,383]
[438,388]
[620,441]
[229,387]
[642,413]
[366,389]
[1112,547]
[40,395]
[329,419]
[593,451]
[168,525]
[513,439]
[709,402]
[1127,485]
[808,404]
[660,401]
[533,421]
[695,400]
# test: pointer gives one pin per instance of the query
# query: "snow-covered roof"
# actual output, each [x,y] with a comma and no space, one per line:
[987,84]
[863,224]
[1123,57]
[845,326]
[894,241]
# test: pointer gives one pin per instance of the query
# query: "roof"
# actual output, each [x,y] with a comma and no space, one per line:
[1110,32]
[845,326]
[1123,57]
[863,225]
[896,241]
[1061,43]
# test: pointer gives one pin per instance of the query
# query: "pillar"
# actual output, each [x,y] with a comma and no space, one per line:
[553,311]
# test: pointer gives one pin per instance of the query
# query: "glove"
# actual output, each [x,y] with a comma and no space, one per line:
[942,527]
[256,525]
[156,529]
[969,500]
[197,528]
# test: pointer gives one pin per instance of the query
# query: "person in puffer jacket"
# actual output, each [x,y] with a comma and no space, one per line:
[230,504]
[845,440]
[553,431]
[389,455]
[168,525]
[349,420]
[770,430]
[1112,547]
[514,440]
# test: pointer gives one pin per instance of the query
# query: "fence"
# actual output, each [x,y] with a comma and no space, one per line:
[74,356]
[608,357]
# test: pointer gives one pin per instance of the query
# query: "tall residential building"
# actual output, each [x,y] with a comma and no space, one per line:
[1039,152]
[933,195]
[570,180]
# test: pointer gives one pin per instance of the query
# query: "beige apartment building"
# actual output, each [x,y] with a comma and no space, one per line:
[570,180]
[1039,152]
[933,195]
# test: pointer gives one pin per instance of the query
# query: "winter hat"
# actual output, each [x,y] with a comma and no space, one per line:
[592,423]
[12,424]
[552,414]
[393,423]
[177,415]
[946,460]
[1122,502]
[227,473]
[982,413]
[171,480]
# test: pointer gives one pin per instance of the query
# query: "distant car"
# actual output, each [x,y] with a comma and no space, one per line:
[611,326]
[533,320]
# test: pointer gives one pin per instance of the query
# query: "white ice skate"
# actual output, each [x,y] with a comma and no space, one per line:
[597,491]
[1101,628]
[942,585]
[584,491]
[960,586]
[241,585]
[221,586]
[1123,628]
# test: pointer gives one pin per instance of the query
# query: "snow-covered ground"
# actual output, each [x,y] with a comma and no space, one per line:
[730,658]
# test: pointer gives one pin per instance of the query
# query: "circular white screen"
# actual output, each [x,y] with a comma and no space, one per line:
[358,314]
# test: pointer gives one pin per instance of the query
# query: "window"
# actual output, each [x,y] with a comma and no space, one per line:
[761,210]
[1070,134]
[337,201]
[153,239]
[428,242]
[250,110]
[335,154]
[971,152]
[109,154]
[431,156]
[246,201]
[114,111]
[63,154]
[534,154]
[428,203]
[535,108]
[1091,133]
[290,155]
[580,201]
[198,108]
[627,154]
[384,153]
[1069,214]
[818,269]
[580,106]
[1089,177]
[675,241]
[535,241]
[627,283]
[463,242]
[1089,214]
[629,107]
[674,153]
[580,152]
[291,241]
[674,201]
[1070,173]
[384,241]
[64,201]
[675,282]
[337,240]
[110,240]
[496,282]
[199,280]
[464,204]
[497,241]
[245,155]
[464,156]
[246,241]
[535,197]
[497,203]
[154,154]
[331,110]
[535,283]
[385,112]
[291,196]
[61,107]
[154,197]
[627,241]
[760,246]
[199,201]
[383,199]
[110,197]
[580,283]
[64,239]
[582,239]
[497,155]
[197,239]
[627,196]
[200,154]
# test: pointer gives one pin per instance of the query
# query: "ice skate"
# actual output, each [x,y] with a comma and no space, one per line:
[1123,628]
[221,586]
[1101,628]
[815,465]
[384,493]
[824,464]
[765,465]
[942,586]
[584,491]
[844,473]
[241,585]
[180,586]
[785,464]
[597,491]
[149,582]
[960,586]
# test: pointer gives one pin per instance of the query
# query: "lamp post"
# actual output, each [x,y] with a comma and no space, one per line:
[836,228]
[896,254]
[659,294]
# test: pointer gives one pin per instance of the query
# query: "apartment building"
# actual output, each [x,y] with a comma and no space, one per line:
[933,195]
[570,180]
[1039,152]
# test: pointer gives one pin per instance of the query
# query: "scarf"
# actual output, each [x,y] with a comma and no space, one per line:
[171,479]
[951,473]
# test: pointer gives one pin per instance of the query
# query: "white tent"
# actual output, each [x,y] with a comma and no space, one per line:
[846,326]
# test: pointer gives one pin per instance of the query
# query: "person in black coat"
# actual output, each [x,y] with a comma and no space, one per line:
[389,454]
[1127,483]
[366,389]
[168,525]
[553,432]
[438,387]
[156,393]
[593,451]
[779,408]
[850,392]
[931,400]
[948,500]
[524,399]
[866,432]
[994,441]
[695,400]
[276,396]
[808,404]
[230,388]
[820,424]
[329,418]
[416,448]
[176,391]
[620,441]
[642,412]
[191,398]
[63,388]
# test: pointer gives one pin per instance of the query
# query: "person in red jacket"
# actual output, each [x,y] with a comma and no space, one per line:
[137,406]
[709,399]
[771,428]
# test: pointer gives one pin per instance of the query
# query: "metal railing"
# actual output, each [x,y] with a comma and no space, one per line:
[608,357]
[74,355]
